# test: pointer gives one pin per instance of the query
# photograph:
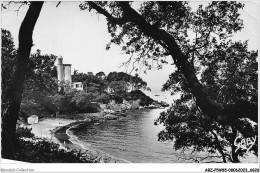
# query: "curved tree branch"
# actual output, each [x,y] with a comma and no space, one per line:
[209,107]
[112,19]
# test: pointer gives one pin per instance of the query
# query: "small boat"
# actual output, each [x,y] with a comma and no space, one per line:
[152,106]
[117,113]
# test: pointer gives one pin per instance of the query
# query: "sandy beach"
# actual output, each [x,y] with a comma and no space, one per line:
[56,131]
[45,126]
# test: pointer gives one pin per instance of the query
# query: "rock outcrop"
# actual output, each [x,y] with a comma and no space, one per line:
[126,105]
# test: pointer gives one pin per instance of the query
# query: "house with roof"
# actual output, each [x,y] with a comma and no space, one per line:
[77,85]
[34,119]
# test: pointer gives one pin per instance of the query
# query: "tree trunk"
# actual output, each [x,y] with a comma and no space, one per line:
[234,155]
[14,92]
[219,148]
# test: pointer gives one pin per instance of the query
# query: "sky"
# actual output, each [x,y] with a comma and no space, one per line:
[80,37]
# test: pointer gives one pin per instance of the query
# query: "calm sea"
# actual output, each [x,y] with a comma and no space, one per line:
[133,138]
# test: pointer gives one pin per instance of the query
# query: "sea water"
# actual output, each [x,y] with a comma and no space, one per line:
[133,138]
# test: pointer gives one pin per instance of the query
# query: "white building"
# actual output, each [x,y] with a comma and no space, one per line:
[77,85]
[34,119]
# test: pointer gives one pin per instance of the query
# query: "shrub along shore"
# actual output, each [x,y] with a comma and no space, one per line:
[49,142]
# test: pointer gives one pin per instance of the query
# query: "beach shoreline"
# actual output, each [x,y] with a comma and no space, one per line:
[47,126]
[58,131]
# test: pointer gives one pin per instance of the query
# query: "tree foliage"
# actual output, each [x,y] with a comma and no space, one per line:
[230,77]
[157,29]
[133,82]
[90,83]
[101,74]
[216,76]
[100,82]
[73,101]
[138,94]
[8,53]
[118,87]
[40,80]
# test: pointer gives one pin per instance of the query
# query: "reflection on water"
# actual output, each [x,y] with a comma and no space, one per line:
[133,138]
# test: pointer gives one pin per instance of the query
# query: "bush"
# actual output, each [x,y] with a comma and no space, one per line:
[24,132]
[118,99]
[137,94]
[104,98]
[75,102]
[40,150]
[91,108]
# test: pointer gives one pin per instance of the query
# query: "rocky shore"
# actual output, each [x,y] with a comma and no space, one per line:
[133,104]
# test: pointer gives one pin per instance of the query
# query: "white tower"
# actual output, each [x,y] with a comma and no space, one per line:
[67,73]
[60,70]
